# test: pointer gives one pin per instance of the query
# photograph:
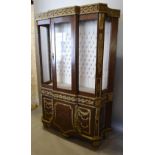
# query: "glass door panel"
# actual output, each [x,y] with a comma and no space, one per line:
[87,55]
[45,63]
[107,35]
[63,54]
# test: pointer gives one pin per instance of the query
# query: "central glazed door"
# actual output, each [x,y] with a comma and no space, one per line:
[64,53]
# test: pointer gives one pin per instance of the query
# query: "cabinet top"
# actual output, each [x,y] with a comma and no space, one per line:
[85,9]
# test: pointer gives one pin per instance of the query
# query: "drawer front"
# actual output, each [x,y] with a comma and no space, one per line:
[48,111]
[64,116]
[85,120]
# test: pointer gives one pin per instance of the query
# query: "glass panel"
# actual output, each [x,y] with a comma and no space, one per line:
[106,54]
[63,55]
[87,55]
[45,53]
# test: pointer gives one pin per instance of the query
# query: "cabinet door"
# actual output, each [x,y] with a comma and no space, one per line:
[86,120]
[63,52]
[64,116]
[44,48]
[87,53]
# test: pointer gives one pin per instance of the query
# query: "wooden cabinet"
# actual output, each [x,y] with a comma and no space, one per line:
[77,47]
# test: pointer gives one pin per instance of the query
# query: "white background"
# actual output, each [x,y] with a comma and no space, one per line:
[138,80]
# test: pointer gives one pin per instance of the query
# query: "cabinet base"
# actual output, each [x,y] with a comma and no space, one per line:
[46,125]
[96,143]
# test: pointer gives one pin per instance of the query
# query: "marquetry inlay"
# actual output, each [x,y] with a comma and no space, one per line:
[85,9]
[77,98]
[59,12]
[84,115]
[95,8]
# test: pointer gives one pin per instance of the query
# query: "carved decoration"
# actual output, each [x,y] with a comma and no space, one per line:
[88,9]
[84,120]
[48,108]
[99,101]
[46,92]
[65,97]
[86,101]
[68,97]
[85,9]
[59,12]
[64,11]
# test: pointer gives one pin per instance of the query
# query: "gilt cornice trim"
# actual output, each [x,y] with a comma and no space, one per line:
[93,8]
[99,8]
[85,9]
[59,12]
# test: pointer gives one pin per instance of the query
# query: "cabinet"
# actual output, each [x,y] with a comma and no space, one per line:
[77,47]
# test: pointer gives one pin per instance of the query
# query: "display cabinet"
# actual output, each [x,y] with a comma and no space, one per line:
[77,47]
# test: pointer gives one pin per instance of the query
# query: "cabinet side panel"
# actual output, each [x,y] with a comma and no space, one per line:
[113,45]
[45,53]
[106,52]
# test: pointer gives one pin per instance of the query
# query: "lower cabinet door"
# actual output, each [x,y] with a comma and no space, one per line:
[86,118]
[64,116]
[48,111]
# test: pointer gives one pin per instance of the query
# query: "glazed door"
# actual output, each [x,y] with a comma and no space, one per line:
[87,53]
[44,51]
[64,53]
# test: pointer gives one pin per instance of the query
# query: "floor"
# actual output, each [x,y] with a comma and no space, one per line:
[44,142]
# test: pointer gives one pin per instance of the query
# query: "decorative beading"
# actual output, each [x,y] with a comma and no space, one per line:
[68,97]
[85,9]
[84,114]
[77,98]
